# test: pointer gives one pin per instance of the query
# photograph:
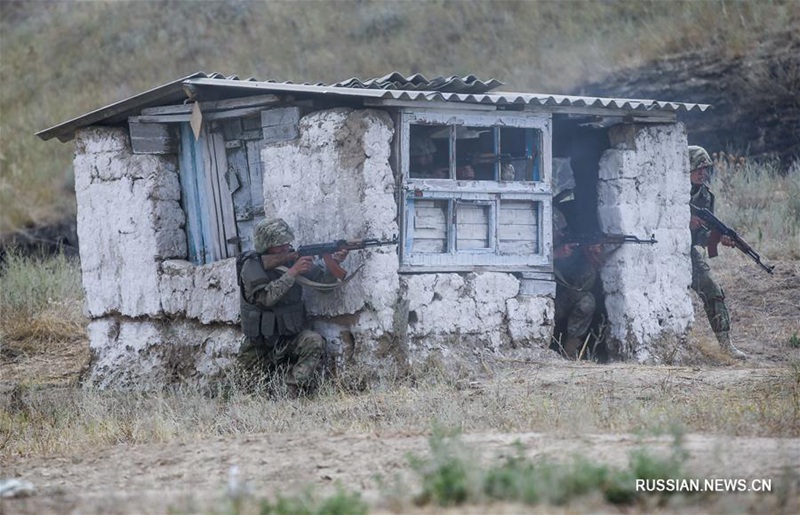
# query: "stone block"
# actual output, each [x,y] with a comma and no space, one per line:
[150,354]
[94,140]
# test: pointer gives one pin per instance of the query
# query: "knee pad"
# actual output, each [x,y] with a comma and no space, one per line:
[587,304]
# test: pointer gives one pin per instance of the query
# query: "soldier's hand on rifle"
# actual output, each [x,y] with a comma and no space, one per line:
[595,255]
[340,255]
[301,266]
[695,223]
[563,251]
[727,241]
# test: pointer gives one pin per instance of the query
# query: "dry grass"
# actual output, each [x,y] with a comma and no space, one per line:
[760,203]
[41,303]
[551,399]
[539,46]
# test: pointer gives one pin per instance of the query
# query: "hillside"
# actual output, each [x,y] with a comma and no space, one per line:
[756,97]
[61,59]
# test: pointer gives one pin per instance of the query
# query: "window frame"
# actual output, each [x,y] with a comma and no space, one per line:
[491,193]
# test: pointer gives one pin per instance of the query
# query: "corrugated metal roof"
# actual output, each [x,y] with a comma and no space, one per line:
[418,82]
[495,98]
[393,87]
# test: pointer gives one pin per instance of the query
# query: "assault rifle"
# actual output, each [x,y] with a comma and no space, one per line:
[325,250]
[718,230]
[599,238]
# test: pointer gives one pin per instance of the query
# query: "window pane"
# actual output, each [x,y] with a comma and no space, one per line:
[428,155]
[519,151]
[430,226]
[472,226]
[475,154]
[518,227]
[481,153]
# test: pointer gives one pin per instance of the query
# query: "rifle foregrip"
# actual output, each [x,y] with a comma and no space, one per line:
[335,269]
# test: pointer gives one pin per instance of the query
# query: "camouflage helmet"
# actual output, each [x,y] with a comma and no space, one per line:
[421,147]
[698,158]
[272,233]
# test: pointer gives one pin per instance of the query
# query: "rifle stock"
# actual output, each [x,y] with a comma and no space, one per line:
[718,230]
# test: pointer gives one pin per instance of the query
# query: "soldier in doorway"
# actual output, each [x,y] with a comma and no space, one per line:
[576,271]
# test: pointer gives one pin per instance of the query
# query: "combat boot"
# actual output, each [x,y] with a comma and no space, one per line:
[571,347]
[724,339]
[292,391]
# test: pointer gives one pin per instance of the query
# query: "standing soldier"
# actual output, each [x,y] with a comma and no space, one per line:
[710,292]
[272,312]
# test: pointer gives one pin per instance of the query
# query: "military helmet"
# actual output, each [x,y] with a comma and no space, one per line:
[421,147]
[698,157]
[272,233]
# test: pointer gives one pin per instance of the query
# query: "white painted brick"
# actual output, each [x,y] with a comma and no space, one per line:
[94,140]
[642,191]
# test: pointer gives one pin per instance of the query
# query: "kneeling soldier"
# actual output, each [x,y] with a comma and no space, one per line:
[272,312]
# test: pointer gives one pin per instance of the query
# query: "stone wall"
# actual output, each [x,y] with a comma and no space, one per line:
[147,305]
[156,318]
[339,170]
[643,189]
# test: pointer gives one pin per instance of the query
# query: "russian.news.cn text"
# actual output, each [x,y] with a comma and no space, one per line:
[703,485]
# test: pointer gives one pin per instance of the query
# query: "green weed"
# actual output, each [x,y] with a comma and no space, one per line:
[447,475]
[450,477]
[340,503]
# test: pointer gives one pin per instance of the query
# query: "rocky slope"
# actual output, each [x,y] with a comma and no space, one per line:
[756,98]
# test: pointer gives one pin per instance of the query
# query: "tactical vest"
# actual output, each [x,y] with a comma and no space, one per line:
[575,272]
[285,318]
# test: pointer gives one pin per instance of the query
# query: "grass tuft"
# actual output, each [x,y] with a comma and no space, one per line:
[41,303]
[342,502]
[452,476]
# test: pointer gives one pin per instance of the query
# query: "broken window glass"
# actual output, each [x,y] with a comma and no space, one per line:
[473,153]
[474,190]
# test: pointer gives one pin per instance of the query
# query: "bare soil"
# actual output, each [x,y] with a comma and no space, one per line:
[191,476]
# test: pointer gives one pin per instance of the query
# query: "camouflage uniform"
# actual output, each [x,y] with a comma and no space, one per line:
[575,303]
[710,292]
[273,315]
[575,279]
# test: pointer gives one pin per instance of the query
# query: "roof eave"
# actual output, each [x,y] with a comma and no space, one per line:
[171,92]
[195,84]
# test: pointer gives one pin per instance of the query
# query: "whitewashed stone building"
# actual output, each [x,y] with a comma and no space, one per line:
[170,182]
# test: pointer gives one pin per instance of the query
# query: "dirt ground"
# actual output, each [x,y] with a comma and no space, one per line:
[191,477]
[149,478]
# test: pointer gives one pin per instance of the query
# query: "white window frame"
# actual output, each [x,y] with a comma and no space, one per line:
[490,193]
